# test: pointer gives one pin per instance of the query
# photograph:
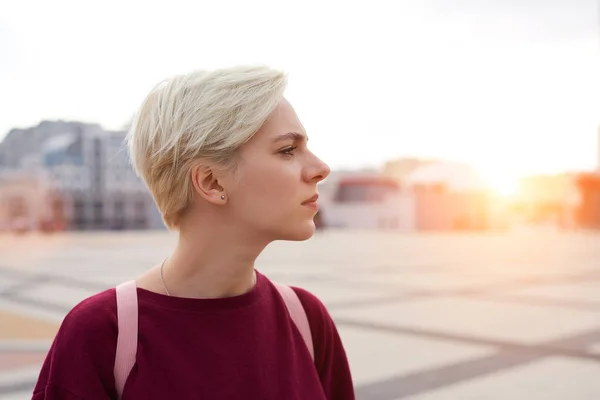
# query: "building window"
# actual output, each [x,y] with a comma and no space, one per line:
[140,208]
[78,213]
[119,208]
[365,190]
[98,213]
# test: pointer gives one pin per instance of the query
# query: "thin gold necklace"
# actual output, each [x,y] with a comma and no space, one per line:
[162,279]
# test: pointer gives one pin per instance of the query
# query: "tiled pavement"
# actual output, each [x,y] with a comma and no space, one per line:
[423,317]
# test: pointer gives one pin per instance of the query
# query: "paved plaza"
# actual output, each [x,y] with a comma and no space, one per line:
[423,317]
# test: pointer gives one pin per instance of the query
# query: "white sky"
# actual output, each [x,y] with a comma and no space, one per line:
[510,86]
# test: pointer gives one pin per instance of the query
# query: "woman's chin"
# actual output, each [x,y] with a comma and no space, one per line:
[301,232]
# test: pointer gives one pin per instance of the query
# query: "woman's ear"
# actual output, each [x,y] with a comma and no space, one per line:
[206,184]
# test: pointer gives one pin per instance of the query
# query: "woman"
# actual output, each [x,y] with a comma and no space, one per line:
[225,158]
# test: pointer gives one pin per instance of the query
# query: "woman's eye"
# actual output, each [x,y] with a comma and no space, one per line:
[288,151]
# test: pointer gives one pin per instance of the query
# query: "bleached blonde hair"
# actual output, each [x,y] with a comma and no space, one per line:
[206,114]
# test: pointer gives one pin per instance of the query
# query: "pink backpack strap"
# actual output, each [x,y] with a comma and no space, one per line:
[127,316]
[298,314]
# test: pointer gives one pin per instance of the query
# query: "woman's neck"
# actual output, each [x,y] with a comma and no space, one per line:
[210,267]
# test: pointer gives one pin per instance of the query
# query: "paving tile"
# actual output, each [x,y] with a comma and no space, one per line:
[8,282]
[468,316]
[21,395]
[32,310]
[56,293]
[17,359]
[589,293]
[425,281]
[332,292]
[20,327]
[26,344]
[595,348]
[19,376]
[376,356]
[555,378]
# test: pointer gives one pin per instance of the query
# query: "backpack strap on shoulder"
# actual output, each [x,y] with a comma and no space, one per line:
[127,337]
[298,314]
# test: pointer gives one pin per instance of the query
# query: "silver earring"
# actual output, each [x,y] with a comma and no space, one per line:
[222,197]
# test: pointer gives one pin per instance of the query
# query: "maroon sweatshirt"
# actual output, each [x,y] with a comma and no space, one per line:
[243,347]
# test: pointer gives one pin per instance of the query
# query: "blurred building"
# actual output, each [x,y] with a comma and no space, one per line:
[409,195]
[548,200]
[449,196]
[598,151]
[587,211]
[445,195]
[365,200]
[87,173]
[25,201]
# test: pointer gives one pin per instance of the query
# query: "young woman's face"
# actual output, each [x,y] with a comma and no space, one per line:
[276,181]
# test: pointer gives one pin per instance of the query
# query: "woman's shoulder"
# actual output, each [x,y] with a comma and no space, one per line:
[93,316]
[82,354]
[315,309]
[104,301]
[308,298]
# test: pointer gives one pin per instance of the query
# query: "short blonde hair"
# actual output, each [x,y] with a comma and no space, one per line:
[205,114]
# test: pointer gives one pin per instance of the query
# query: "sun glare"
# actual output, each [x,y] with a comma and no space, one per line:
[504,185]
